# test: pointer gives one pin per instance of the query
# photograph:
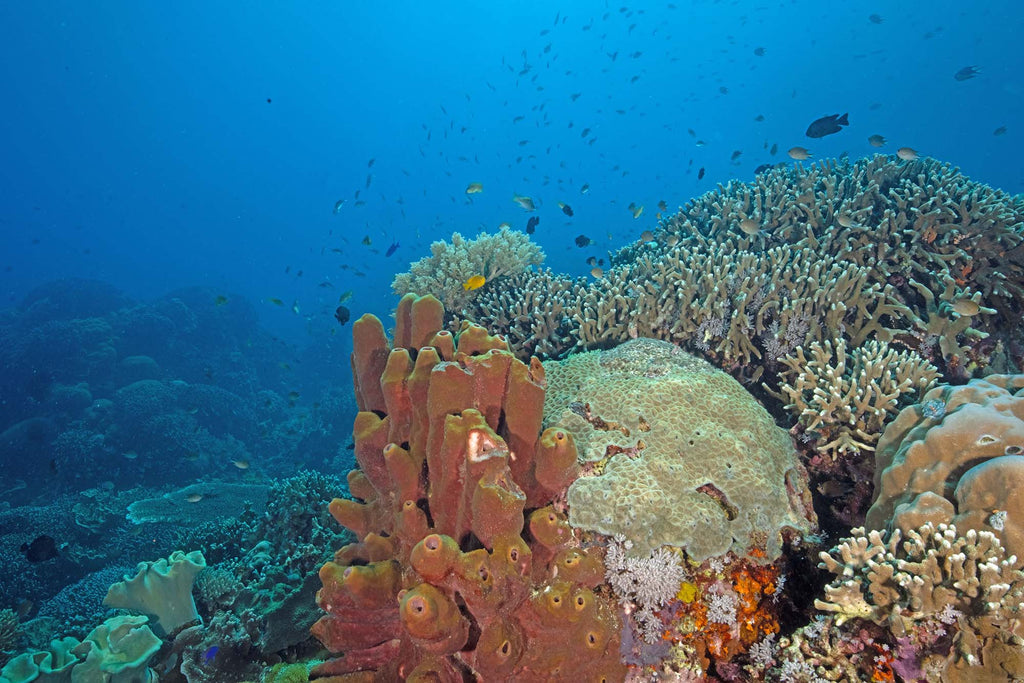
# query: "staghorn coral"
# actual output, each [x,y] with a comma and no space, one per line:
[450,264]
[843,399]
[451,455]
[956,457]
[862,250]
[904,581]
[669,465]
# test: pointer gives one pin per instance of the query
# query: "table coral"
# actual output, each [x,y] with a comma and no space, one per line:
[680,454]
[450,578]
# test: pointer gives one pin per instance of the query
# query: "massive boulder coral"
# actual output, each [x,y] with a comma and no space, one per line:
[681,454]
[451,578]
[956,457]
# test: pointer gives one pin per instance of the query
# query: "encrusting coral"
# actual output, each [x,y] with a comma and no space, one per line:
[442,274]
[668,466]
[842,399]
[449,578]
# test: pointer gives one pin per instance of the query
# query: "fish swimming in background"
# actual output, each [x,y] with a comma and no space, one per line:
[274,300]
[566,209]
[475,282]
[344,296]
[966,73]
[637,211]
[474,188]
[907,153]
[391,249]
[525,202]
[585,189]
[220,300]
[342,314]
[700,173]
[338,204]
[531,225]
[367,241]
[799,153]
[193,497]
[583,241]
[827,125]
[876,141]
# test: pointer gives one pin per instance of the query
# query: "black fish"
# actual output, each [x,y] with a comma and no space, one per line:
[531,225]
[43,548]
[566,209]
[583,241]
[391,249]
[700,173]
[827,125]
[762,168]
[341,314]
[966,73]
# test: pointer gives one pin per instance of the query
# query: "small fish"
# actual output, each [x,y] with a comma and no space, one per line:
[662,206]
[876,141]
[274,300]
[525,202]
[474,188]
[966,73]
[762,168]
[293,396]
[827,125]
[193,497]
[592,261]
[326,284]
[583,241]
[191,456]
[700,173]
[672,240]
[1001,130]
[647,236]
[130,455]
[775,149]
[637,211]
[875,19]
[220,300]
[338,204]
[585,189]
[844,220]
[966,307]
[241,464]
[295,307]
[759,51]
[212,651]
[341,314]
[504,225]
[597,272]
[566,209]
[907,154]
[735,155]
[391,249]
[475,282]
[531,225]
[799,153]
[750,227]
[367,241]
[344,296]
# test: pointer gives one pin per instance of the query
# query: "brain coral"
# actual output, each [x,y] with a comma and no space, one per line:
[682,454]
[956,457]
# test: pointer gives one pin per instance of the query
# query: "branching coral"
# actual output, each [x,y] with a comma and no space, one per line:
[902,581]
[443,273]
[843,399]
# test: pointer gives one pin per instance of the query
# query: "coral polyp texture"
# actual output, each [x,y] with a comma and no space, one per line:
[956,457]
[451,578]
[678,453]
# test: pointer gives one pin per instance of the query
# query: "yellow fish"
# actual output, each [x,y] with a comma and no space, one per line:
[637,210]
[525,202]
[474,188]
[475,282]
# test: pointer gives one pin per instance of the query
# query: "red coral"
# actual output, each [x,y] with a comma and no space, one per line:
[446,583]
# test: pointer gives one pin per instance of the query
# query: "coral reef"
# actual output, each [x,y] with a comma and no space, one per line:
[956,458]
[446,581]
[442,274]
[875,248]
[842,400]
[678,454]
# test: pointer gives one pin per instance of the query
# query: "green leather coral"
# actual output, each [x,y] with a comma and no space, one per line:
[117,651]
[162,590]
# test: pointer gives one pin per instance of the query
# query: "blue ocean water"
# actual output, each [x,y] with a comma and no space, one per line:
[214,178]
